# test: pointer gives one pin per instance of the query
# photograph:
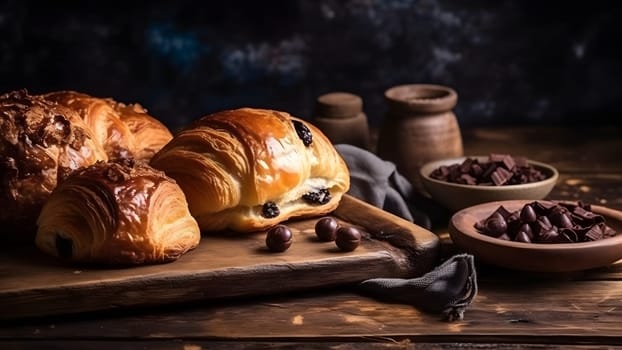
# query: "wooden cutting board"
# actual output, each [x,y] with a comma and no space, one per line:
[234,265]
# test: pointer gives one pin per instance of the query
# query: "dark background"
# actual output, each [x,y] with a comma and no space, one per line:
[512,62]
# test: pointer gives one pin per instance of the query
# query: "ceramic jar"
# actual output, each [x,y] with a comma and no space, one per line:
[419,127]
[341,118]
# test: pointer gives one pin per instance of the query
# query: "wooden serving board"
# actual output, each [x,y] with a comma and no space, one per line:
[34,285]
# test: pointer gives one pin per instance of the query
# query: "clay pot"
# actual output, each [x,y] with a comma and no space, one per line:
[340,117]
[419,127]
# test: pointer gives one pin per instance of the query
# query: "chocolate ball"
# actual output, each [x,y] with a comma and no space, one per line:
[279,238]
[348,238]
[326,229]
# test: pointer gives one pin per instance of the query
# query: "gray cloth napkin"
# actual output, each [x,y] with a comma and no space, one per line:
[377,182]
[450,287]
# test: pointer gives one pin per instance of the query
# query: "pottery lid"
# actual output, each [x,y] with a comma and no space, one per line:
[338,105]
[420,98]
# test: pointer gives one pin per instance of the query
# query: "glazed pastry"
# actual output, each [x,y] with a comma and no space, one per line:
[249,169]
[124,213]
[123,130]
[150,135]
[40,143]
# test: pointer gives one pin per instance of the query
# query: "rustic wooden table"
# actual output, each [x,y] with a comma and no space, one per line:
[512,310]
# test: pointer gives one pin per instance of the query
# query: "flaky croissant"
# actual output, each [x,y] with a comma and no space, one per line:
[123,130]
[114,213]
[249,169]
[40,143]
[45,137]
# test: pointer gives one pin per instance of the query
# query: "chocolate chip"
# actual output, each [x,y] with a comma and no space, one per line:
[498,170]
[270,210]
[527,214]
[496,226]
[318,197]
[521,236]
[303,132]
[554,223]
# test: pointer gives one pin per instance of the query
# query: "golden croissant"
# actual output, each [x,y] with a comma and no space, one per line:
[249,169]
[117,213]
[43,138]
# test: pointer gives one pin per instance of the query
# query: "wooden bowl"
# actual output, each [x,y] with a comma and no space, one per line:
[457,196]
[536,257]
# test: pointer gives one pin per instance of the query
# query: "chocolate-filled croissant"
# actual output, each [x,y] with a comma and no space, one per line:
[123,130]
[249,169]
[40,143]
[117,213]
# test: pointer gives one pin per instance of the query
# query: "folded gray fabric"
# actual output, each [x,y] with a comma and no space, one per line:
[448,289]
[377,182]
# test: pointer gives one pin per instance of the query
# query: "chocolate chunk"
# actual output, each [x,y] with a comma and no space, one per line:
[496,226]
[467,179]
[498,170]
[593,234]
[546,222]
[500,176]
[521,236]
[270,210]
[526,229]
[568,235]
[527,214]
[549,235]
[319,197]
[508,162]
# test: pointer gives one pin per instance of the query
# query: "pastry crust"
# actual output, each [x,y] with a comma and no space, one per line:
[125,131]
[249,169]
[114,213]
[40,143]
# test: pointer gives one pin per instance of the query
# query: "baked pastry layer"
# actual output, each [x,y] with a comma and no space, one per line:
[249,169]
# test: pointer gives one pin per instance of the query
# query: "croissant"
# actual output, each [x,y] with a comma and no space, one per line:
[249,169]
[40,143]
[123,130]
[149,134]
[123,213]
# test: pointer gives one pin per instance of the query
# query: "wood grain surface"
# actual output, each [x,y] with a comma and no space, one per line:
[224,266]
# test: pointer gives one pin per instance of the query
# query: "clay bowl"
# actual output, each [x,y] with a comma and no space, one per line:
[534,257]
[457,196]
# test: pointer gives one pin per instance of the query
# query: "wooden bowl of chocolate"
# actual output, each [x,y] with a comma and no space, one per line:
[457,183]
[542,236]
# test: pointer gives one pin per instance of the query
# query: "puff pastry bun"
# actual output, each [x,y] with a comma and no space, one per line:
[114,213]
[249,169]
[40,143]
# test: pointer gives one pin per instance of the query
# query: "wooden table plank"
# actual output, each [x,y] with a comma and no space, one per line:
[368,344]
[524,310]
